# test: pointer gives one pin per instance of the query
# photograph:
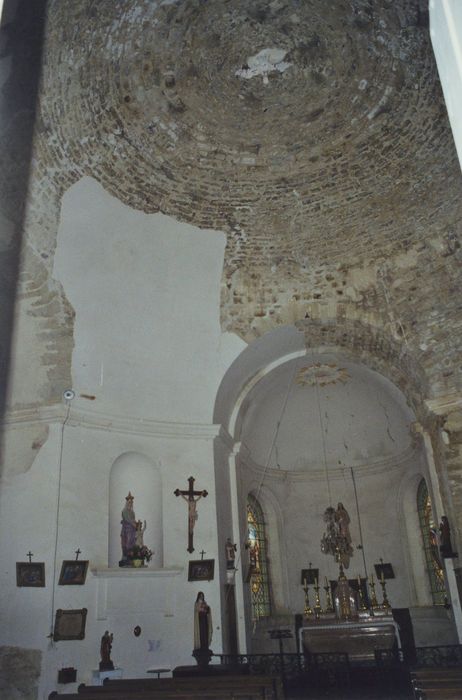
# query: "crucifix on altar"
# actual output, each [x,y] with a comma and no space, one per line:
[191,496]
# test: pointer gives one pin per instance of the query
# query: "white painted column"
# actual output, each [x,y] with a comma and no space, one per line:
[239,585]
[446,37]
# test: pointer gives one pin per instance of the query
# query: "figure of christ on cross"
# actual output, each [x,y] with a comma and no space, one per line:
[191,497]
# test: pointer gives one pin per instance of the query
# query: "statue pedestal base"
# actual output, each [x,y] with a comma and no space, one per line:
[106,666]
[98,677]
[202,656]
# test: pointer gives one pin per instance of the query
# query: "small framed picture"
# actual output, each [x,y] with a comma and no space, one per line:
[310,576]
[202,570]
[70,624]
[386,569]
[73,573]
[30,574]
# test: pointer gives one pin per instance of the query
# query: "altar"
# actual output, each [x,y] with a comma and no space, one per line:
[352,621]
[359,638]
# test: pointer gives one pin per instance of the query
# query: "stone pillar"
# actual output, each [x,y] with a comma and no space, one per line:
[443,446]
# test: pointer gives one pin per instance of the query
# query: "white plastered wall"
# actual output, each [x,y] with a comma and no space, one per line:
[148,347]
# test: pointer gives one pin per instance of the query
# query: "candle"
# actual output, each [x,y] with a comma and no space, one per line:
[382,577]
[359,580]
[304,583]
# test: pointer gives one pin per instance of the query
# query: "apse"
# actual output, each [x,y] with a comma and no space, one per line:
[321,409]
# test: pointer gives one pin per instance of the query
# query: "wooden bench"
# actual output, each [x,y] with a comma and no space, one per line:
[270,686]
[185,694]
[437,683]
[133,693]
[245,687]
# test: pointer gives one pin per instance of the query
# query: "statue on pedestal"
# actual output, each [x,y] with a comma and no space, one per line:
[128,532]
[202,630]
[230,553]
[106,645]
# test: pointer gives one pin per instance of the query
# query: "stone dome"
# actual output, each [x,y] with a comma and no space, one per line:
[235,115]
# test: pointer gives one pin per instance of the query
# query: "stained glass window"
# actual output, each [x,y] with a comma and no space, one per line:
[258,562]
[430,543]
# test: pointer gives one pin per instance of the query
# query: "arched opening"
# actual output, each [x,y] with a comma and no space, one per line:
[429,533]
[259,574]
[314,427]
[135,473]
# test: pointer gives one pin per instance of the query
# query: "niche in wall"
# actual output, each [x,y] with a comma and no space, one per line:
[134,472]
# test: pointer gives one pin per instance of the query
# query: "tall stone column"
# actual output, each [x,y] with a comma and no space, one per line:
[443,447]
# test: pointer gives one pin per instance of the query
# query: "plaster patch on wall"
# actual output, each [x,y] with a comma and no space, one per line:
[163,278]
[19,672]
[20,448]
[264,62]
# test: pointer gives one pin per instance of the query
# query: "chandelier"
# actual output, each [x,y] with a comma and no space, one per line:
[337,539]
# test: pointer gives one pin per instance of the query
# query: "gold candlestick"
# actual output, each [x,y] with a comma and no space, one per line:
[308,609]
[317,606]
[385,603]
[329,604]
[374,601]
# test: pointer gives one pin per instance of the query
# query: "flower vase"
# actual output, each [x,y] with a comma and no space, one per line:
[137,563]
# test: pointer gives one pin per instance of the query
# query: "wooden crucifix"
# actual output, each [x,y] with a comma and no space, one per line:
[191,497]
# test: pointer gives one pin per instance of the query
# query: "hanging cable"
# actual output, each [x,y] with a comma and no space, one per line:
[68,396]
[318,402]
[278,425]
[359,522]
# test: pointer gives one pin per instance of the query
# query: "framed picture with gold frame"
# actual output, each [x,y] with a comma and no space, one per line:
[73,573]
[70,624]
[30,574]
[201,570]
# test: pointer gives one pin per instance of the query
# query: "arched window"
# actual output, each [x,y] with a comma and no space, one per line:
[430,542]
[259,574]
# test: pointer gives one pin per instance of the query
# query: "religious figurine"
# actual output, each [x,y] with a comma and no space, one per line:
[230,553]
[139,533]
[189,497]
[105,649]
[343,521]
[128,532]
[202,623]
[445,539]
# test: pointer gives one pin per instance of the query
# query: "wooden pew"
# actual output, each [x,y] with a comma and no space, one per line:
[223,681]
[163,694]
[437,683]
[270,686]
[184,694]
[231,687]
